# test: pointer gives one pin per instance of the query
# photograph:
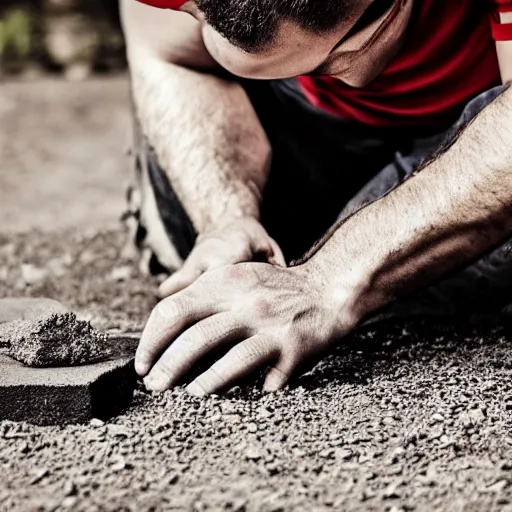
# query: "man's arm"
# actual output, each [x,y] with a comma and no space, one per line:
[204,129]
[449,213]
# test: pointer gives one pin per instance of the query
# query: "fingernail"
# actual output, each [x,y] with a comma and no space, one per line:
[195,389]
[272,384]
[270,388]
[157,380]
[141,367]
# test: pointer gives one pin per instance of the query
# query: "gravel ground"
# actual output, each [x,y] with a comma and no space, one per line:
[402,417]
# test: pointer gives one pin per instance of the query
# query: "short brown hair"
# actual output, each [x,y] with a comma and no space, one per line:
[252,24]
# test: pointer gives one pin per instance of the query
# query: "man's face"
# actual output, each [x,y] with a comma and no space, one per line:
[295,51]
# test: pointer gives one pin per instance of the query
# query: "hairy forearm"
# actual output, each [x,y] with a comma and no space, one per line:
[456,208]
[207,138]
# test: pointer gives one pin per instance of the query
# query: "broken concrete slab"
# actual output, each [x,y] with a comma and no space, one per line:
[61,396]
[25,308]
[54,340]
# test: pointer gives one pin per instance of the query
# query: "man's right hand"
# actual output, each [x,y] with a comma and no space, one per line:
[242,240]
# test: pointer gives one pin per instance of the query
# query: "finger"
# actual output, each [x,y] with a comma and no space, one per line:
[277,256]
[240,361]
[180,280]
[278,376]
[191,346]
[269,249]
[167,321]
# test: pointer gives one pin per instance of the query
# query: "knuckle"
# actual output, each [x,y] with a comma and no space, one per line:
[171,309]
[167,369]
[242,274]
[197,335]
[234,272]
[251,349]
[261,306]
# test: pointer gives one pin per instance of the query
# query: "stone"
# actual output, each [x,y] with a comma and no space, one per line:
[66,395]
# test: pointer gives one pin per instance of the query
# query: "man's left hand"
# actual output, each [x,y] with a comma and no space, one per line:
[271,316]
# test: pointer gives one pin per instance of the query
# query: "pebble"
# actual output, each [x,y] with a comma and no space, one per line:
[253,454]
[437,418]
[120,274]
[31,274]
[205,457]
[39,474]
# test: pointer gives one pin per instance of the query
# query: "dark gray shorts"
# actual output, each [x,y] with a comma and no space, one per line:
[323,168]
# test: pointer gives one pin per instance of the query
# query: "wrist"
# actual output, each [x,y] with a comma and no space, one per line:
[348,290]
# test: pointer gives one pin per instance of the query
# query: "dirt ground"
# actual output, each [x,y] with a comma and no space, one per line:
[402,417]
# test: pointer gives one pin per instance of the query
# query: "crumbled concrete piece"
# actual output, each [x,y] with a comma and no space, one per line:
[56,339]
[60,396]
[23,309]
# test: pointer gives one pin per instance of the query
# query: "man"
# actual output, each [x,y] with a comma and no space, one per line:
[382,128]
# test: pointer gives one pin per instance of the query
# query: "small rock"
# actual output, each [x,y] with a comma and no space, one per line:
[39,475]
[118,431]
[344,454]
[327,453]
[173,479]
[69,488]
[437,418]
[120,273]
[252,428]
[273,468]
[32,275]
[95,422]
[476,416]
[69,502]
[253,454]
[391,492]
[239,505]
[119,465]
[498,486]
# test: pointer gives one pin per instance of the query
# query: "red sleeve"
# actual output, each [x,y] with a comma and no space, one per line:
[165,4]
[500,31]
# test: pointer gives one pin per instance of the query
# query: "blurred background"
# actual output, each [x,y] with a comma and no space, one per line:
[72,37]
[64,115]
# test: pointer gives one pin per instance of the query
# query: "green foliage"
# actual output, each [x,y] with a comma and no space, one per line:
[16,32]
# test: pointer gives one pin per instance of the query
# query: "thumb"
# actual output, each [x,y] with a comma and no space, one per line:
[276,256]
[180,280]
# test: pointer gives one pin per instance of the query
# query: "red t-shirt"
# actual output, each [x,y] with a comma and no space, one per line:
[448,58]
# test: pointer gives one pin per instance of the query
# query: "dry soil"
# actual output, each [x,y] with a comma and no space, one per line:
[412,416]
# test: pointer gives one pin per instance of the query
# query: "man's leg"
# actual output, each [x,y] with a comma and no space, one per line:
[160,232]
